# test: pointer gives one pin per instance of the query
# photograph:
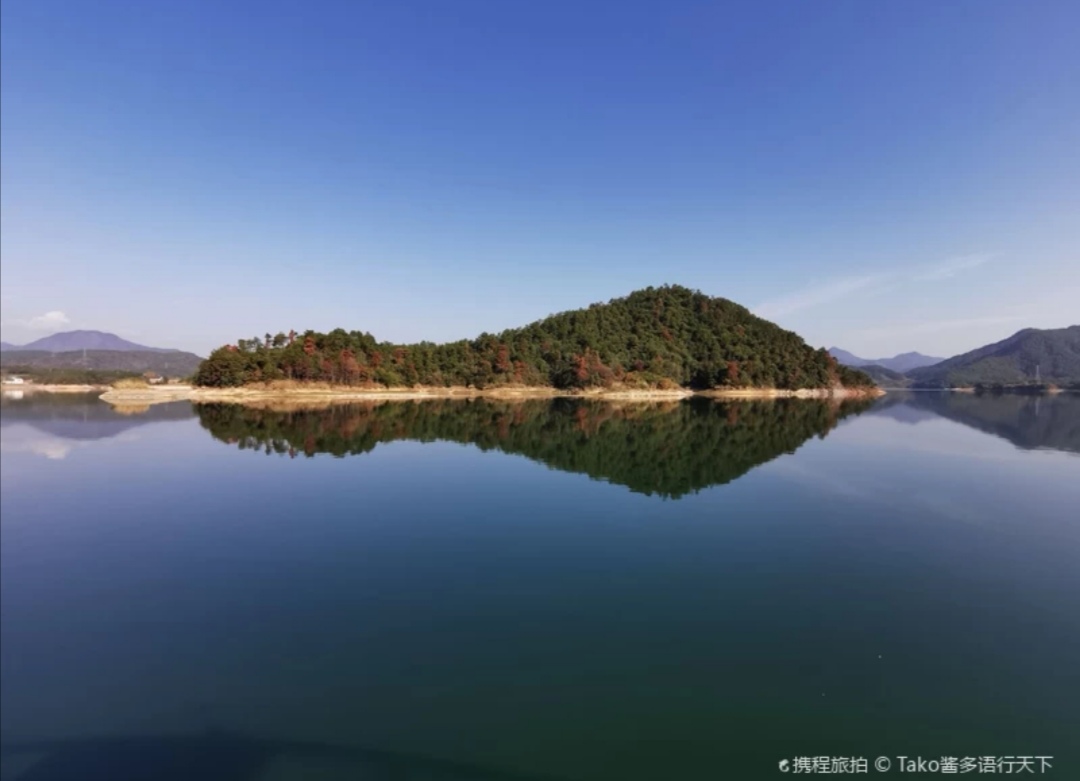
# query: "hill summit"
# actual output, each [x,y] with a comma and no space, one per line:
[664,337]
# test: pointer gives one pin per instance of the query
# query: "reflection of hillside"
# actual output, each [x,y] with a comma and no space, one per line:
[1028,422]
[894,405]
[668,449]
[82,416]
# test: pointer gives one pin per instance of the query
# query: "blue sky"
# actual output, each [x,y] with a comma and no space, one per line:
[880,176]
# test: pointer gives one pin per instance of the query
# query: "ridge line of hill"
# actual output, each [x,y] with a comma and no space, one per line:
[667,337]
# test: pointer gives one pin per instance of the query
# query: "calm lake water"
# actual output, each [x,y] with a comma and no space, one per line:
[542,590]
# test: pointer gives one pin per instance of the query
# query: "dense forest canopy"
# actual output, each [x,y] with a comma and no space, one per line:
[669,449]
[658,337]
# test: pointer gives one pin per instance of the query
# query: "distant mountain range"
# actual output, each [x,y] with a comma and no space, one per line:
[1031,355]
[898,363]
[1027,357]
[96,351]
[83,340]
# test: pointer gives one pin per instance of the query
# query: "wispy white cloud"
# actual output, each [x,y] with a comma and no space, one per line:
[49,321]
[937,326]
[23,439]
[952,267]
[53,448]
[825,293]
[838,289]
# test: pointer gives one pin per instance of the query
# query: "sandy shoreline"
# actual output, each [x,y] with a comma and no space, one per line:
[163,394]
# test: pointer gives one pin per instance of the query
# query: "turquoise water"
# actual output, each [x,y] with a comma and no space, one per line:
[556,590]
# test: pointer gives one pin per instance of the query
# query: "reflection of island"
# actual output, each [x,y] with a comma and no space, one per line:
[669,449]
[82,416]
[1029,422]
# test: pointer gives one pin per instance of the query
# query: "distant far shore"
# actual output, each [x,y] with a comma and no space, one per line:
[1008,390]
[806,393]
[29,387]
[321,392]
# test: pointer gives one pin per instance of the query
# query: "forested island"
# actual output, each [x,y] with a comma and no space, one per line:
[669,337]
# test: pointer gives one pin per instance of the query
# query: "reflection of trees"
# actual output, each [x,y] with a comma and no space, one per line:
[1026,421]
[668,449]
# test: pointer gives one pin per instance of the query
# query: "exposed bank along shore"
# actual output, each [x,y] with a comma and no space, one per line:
[162,394]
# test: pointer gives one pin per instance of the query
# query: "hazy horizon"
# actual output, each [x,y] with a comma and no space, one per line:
[883,179]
